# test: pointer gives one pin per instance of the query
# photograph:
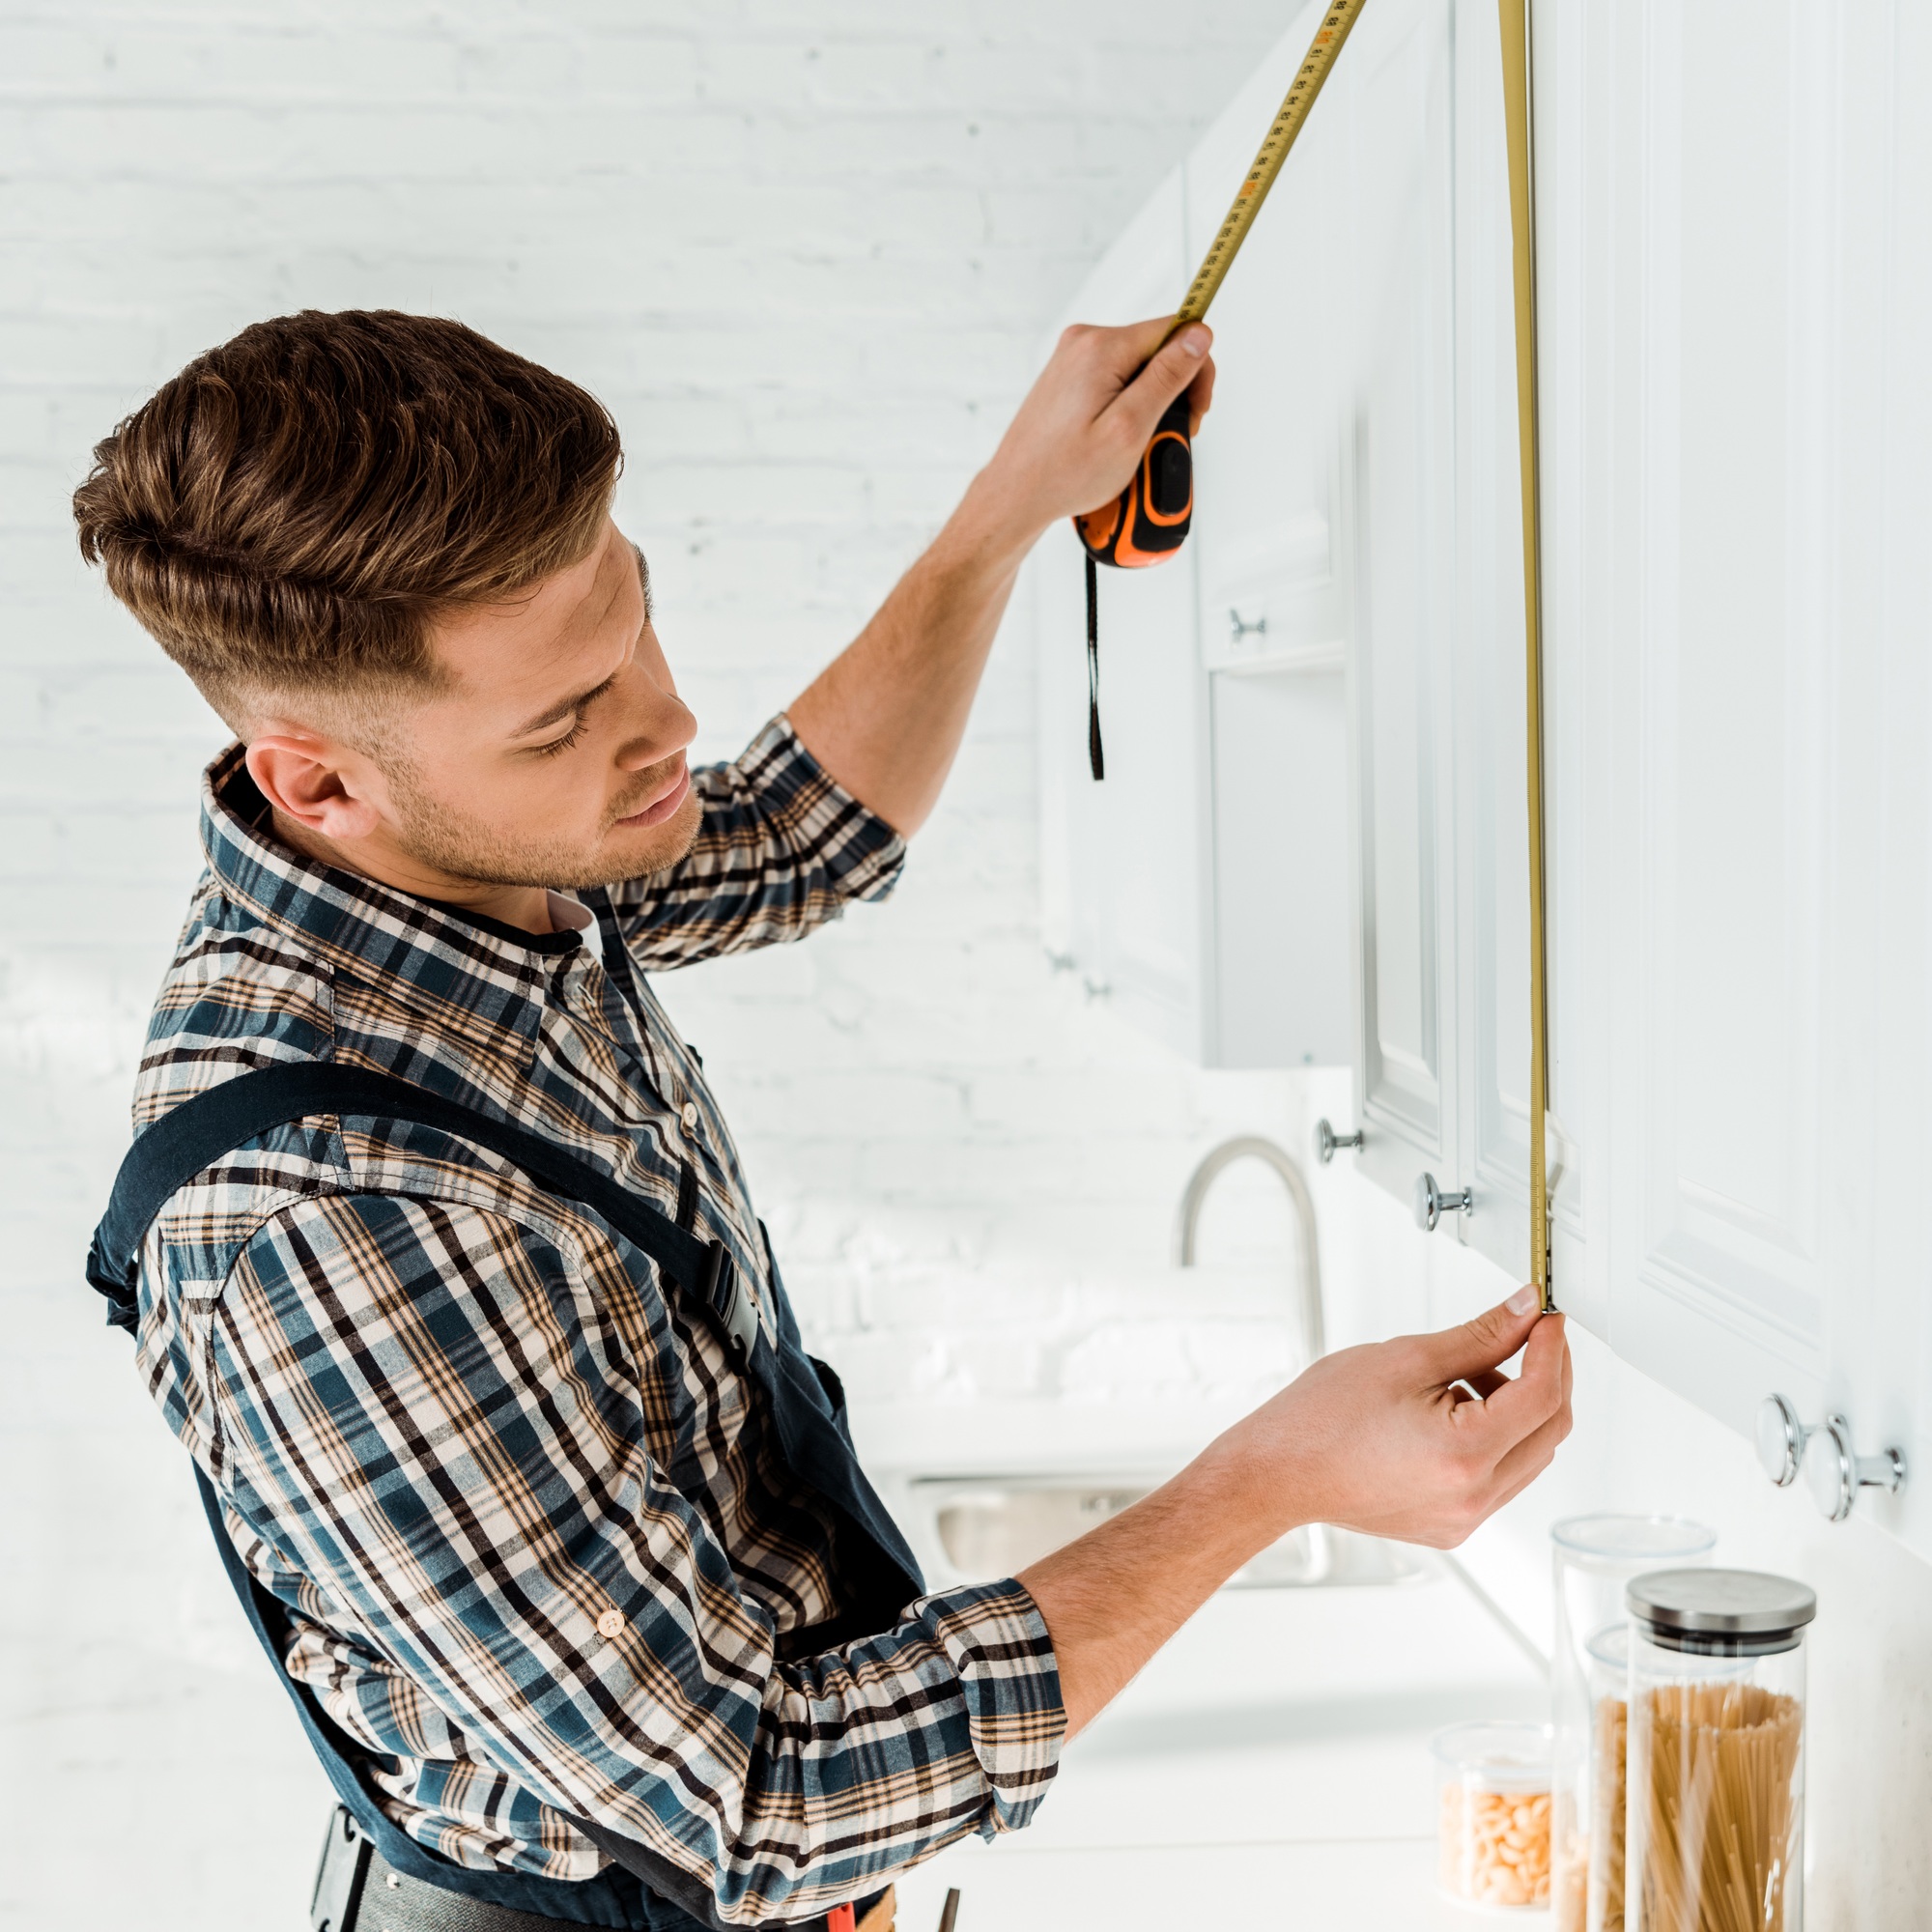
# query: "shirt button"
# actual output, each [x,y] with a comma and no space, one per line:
[610,1624]
[689,1116]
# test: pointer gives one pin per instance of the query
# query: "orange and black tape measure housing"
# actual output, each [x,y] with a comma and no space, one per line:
[1149,521]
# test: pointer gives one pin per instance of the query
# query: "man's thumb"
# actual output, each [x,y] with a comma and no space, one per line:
[1169,373]
[1487,1339]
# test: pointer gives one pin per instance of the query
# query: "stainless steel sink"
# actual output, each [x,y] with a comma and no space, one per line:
[992,1527]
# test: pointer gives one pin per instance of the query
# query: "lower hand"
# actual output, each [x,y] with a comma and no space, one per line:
[1091,413]
[1420,1438]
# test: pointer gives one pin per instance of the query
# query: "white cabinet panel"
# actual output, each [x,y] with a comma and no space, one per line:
[1725,1112]
[1402,537]
[1580,660]
[1741,385]
[1126,863]
[1139,910]
[1204,886]
[1490,723]
[1275,595]
[1268,467]
[1736,693]
[1734,209]
[1281,871]
[1492,902]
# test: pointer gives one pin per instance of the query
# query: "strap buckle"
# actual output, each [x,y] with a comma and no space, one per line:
[725,1294]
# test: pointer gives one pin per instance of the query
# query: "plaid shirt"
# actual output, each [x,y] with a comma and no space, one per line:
[539,1551]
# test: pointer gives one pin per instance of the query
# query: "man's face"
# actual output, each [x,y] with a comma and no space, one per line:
[555,758]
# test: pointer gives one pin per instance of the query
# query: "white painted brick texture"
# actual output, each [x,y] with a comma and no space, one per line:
[805,252]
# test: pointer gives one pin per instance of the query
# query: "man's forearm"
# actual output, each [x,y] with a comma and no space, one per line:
[885,717]
[1114,1598]
[1418,1438]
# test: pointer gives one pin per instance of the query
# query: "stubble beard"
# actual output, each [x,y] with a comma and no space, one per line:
[433,835]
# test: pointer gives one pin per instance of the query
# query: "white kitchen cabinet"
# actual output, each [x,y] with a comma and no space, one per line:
[1733,213]
[1396,297]
[1736,213]
[1440,834]
[1204,887]
[1482,725]
[1733,244]
[1126,865]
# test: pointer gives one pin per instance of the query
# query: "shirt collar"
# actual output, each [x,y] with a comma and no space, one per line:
[493,972]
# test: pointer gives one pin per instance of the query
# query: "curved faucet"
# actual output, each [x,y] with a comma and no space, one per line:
[1246,1147]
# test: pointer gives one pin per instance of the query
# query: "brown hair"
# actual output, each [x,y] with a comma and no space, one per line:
[291,512]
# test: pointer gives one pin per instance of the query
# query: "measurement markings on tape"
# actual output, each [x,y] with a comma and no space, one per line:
[1513,18]
[1309,78]
[1148,522]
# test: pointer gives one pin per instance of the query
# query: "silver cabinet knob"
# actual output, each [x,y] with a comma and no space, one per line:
[1836,1473]
[1431,1202]
[1239,627]
[1327,1140]
[1780,1439]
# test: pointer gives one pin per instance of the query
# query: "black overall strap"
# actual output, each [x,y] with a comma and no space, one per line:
[680,1904]
[198,1133]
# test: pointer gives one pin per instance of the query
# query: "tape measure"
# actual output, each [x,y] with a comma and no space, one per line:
[1515,22]
[1148,522]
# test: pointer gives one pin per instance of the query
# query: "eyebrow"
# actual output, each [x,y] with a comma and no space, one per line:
[565,707]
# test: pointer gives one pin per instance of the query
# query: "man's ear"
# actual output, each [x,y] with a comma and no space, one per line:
[320,786]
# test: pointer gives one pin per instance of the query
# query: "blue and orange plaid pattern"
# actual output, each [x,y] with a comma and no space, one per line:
[539,1553]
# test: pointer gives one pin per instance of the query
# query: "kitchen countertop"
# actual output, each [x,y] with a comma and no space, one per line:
[1270,1768]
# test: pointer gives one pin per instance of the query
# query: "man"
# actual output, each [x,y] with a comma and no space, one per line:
[524,1479]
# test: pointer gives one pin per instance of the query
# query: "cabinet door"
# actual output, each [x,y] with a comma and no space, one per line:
[1492,722]
[1273,587]
[1400,515]
[1125,862]
[1281,868]
[1755,252]
[1266,474]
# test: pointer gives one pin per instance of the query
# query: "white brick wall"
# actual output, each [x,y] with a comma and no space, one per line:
[803,248]
[805,252]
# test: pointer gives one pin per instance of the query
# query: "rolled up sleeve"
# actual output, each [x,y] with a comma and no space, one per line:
[423,1413]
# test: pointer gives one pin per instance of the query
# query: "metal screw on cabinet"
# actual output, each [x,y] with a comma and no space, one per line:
[1431,1202]
[1327,1140]
[1837,1472]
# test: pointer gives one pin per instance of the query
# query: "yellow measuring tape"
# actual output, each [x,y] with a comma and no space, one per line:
[1149,521]
[1309,78]
[1515,15]
[1288,123]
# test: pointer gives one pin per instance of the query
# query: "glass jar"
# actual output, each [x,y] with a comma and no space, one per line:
[1717,1751]
[1492,1804]
[1594,1558]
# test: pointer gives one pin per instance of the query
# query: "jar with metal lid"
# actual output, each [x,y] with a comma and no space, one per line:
[1716,1804]
[1594,1560]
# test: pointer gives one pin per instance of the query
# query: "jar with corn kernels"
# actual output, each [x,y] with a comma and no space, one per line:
[1493,1793]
